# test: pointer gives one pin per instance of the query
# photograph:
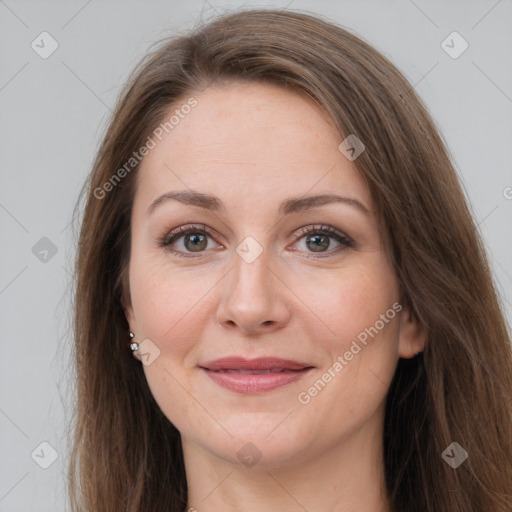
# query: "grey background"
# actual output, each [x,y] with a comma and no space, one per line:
[53,112]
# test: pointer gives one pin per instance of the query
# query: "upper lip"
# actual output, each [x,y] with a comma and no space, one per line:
[261,363]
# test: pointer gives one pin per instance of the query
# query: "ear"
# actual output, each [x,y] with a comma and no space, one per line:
[130,317]
[412,335]
[126,302]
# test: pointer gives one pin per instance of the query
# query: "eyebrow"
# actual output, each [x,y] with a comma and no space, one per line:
[287,207]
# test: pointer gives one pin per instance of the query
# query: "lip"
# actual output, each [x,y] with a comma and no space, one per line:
[254,375]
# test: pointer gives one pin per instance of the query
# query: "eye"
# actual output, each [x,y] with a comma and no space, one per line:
[195,240]
[318,240]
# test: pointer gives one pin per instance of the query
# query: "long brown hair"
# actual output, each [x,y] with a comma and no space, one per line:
[126,455]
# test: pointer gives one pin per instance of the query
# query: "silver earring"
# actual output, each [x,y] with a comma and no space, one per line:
[133,346]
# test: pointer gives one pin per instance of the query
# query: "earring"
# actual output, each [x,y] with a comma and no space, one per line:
[133,346]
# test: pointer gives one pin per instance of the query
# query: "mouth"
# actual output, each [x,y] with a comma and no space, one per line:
[254,376]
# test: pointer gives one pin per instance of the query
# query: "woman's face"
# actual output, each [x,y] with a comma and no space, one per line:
[260,276]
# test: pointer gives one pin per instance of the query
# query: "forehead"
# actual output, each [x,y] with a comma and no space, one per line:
[250,144]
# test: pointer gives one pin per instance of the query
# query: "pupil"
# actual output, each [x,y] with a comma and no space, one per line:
[316,238]
[197,241]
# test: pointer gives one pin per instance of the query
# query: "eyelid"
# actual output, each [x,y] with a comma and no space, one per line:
[322,228]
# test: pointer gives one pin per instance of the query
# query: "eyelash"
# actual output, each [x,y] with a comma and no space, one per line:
[175,234]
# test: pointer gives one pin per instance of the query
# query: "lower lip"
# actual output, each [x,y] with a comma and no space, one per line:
[255,383]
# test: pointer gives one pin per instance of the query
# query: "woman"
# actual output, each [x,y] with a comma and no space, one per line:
[274,230]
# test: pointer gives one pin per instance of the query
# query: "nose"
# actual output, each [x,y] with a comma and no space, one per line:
[254,298]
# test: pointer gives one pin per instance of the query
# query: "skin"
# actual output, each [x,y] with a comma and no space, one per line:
[253,146]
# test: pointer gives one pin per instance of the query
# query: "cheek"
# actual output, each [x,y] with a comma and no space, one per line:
[171,310]
[168,303]
[346,301]
[361,312]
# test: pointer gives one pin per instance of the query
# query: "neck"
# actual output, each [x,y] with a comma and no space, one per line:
[341,478]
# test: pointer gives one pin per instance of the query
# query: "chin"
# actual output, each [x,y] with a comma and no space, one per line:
[258,452]
[260,441]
